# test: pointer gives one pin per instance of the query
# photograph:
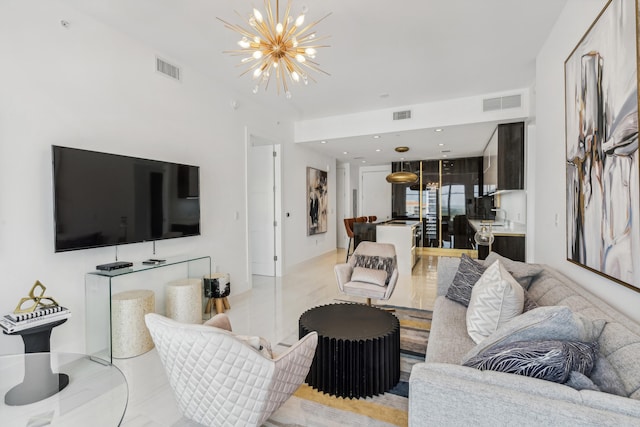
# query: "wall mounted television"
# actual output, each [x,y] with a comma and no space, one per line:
[103,199]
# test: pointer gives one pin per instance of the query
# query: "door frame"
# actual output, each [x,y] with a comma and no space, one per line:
[250,137]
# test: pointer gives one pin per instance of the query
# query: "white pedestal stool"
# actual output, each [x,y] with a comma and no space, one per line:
[183,300]
[130,336]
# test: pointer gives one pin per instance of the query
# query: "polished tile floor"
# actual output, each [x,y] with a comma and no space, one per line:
[271,310]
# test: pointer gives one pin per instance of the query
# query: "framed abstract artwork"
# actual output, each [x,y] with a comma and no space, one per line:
[317,201]
[601,119]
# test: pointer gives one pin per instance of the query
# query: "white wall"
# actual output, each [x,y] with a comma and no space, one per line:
[92,87]
[549,196]
[515,205]
[298,246]
[434,114]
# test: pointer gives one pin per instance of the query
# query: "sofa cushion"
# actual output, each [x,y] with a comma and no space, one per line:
[542,323]
[521,271]
[551,360]
[448,338]
[387,264]
[495,299]
[468,273]
[606,378]
[369,275]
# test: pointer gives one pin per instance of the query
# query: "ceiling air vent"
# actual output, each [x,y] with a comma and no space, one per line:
[401,115]
[167,69]
[501,103]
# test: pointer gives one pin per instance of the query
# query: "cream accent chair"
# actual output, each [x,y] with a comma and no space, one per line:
[369,283]
[219,378]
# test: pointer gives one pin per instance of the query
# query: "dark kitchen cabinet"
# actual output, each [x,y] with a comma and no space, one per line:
[503,159]
[512,247]
[511,156]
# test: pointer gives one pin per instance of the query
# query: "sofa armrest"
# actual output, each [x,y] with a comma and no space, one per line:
[445,394]
[447,269]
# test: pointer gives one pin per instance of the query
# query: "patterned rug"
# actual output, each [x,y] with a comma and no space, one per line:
[309,407]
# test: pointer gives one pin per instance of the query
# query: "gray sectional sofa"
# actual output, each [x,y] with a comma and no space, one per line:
[444,392]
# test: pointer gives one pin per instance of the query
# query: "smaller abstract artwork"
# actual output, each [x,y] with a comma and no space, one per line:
[601,113]
[317,201]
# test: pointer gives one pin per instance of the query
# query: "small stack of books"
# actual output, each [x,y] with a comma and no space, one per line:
[12,322]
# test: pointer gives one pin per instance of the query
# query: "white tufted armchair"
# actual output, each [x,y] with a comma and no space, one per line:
[219,379]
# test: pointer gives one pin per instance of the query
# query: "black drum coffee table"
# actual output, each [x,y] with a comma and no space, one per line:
[358,353]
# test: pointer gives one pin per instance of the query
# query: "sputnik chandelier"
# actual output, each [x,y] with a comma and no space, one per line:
[273,47]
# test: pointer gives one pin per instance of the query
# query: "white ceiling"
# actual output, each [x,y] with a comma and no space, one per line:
[382,54]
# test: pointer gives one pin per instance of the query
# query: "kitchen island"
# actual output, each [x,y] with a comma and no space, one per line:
[405,235]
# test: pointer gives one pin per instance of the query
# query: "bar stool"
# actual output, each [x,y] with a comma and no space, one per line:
[348,225]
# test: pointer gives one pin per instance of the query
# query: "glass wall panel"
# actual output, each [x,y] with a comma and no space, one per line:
[449,196]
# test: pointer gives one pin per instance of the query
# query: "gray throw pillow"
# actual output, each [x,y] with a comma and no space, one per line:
[581,382]
[521,271]
[375,262]
[469,272]
[546,360]
[542,323]
[529,304]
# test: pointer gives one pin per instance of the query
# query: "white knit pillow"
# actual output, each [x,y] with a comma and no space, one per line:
[495,299]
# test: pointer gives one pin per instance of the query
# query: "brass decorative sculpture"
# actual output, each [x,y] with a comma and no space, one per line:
[39,301]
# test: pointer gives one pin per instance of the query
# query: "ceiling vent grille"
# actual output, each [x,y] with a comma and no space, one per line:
[402,115]
[167,69]
[501,103]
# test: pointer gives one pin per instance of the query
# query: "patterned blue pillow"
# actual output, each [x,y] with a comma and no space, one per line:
[469,272]
[377,263]
[545,360]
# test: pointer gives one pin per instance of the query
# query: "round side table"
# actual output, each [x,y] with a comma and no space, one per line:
[358,351]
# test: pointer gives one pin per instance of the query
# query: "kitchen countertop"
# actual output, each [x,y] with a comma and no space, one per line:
[499,229]
[400,223]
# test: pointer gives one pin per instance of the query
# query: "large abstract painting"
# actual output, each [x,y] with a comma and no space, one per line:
[601,97]
[317,201]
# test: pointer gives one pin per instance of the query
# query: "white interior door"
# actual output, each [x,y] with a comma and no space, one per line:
[341,207]
[375,192]
[261,207]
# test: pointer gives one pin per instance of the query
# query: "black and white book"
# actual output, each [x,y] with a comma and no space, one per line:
[10,325]
[19,317]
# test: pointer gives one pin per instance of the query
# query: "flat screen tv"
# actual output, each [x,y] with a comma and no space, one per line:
[105,199]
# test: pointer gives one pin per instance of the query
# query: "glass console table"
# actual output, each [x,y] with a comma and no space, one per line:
[97,394]
[100,286]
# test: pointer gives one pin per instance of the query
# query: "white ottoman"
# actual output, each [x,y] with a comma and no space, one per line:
[183,300]
[129,334]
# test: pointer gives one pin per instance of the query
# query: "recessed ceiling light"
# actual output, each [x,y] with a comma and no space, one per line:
[344,152]
[378,150]
[401,158]
[438,130]
[323,142]
[441,144]
[444,155]
[364,161]
[376,136]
